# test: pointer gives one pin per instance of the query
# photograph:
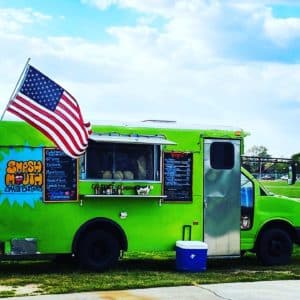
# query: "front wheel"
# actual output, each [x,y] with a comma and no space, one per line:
[274,247]
[98,250]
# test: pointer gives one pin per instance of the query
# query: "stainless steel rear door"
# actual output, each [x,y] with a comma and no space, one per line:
[222,196]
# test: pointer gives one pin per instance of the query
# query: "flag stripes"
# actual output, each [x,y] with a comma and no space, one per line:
[52,110]
[51,124]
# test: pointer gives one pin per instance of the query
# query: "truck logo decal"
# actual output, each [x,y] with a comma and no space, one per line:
[24,173]
[24,176]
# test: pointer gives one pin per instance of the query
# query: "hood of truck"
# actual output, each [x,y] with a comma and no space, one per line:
[265,193]
[283,198]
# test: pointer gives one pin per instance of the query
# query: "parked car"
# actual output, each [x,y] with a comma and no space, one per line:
[267,177]
[284,177]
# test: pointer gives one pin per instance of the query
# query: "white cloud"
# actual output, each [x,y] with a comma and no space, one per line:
[282,31]
[161,7]
[220,21]
[13,20]
[179,71]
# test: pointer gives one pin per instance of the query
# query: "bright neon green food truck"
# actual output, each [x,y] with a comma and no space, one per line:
[138,187]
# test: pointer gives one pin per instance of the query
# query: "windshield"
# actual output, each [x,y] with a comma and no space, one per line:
[265,190]
[249,177]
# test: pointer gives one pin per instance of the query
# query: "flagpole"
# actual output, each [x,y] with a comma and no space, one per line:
[16,86]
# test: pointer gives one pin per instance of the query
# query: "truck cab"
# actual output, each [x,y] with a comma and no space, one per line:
[269,222]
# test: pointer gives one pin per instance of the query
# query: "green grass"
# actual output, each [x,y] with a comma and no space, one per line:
[142,270]
[282,188]
[139,270]
[5,294]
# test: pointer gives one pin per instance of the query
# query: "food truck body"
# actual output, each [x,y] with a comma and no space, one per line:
[137,188]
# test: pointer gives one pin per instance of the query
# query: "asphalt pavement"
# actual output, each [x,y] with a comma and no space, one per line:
[265,290]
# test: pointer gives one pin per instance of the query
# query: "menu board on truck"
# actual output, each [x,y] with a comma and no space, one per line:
[178,176]
[61,176]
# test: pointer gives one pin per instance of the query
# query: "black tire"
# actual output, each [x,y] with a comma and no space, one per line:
[274,247]
[98,250]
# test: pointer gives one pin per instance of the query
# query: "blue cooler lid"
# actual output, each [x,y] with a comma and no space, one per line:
[191,245]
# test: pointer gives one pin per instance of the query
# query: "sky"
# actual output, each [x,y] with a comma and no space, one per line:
[208,62]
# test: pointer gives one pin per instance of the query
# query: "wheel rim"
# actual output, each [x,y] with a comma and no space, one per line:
[278,247]
[98,251]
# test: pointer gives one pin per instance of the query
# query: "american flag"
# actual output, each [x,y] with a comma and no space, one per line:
[53,111]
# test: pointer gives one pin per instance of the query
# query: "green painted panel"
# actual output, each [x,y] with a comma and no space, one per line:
[149,225]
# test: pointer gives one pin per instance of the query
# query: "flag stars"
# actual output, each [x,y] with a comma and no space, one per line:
[41,89]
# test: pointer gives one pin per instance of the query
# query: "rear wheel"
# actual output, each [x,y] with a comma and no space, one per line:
[98,250]
[274,247]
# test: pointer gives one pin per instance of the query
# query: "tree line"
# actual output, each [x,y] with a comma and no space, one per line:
[268,164]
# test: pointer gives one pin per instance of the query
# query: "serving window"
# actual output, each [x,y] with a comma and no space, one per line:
[121,161]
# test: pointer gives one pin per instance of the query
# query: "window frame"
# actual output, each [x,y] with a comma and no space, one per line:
[215,164]
[249,208]
[157,152]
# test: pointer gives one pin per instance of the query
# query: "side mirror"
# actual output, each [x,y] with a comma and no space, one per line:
[292,173]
